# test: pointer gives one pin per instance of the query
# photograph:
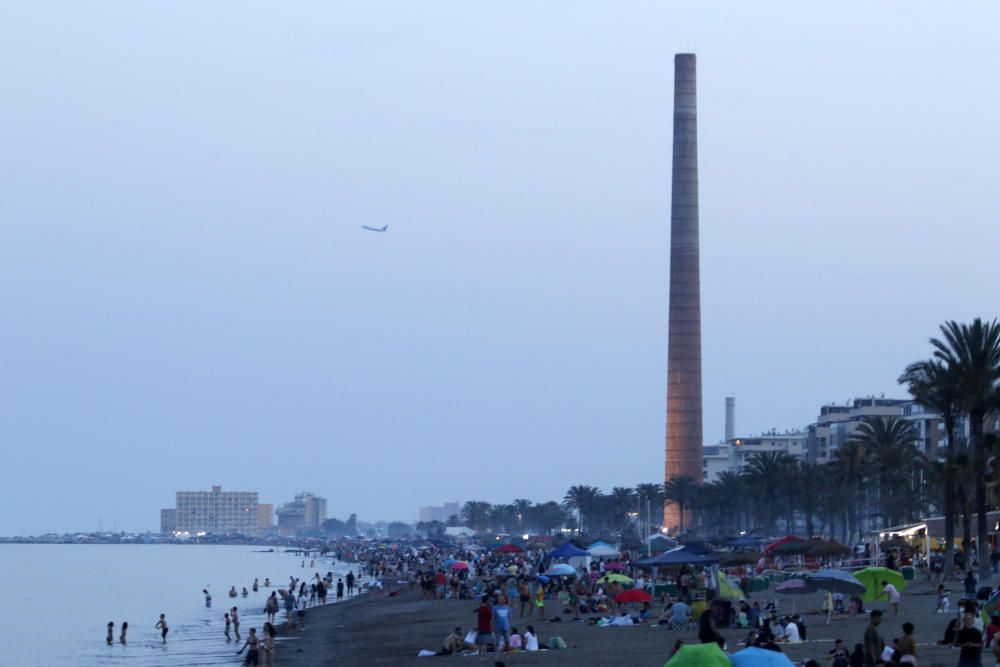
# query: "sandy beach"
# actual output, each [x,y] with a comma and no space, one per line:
[391,631]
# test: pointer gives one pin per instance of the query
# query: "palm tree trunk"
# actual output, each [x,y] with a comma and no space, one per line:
[976,418]
[949,499]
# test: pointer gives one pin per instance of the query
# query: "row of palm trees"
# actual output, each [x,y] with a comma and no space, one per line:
[878,478]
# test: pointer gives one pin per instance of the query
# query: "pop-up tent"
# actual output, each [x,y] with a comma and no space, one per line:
[601,549]
[568,550]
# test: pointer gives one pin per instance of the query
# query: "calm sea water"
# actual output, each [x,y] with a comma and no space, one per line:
[58,599]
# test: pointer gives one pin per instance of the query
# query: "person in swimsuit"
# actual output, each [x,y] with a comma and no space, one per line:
[122,639]
[236,622]
[161,625]
[252,647]
[245,593]
[111,633]
[228,624]
[269,635]
[256,586]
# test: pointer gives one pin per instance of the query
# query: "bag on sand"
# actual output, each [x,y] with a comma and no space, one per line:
[471,637]
[557,642]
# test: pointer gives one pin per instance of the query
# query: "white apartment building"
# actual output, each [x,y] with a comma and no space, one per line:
[216,511]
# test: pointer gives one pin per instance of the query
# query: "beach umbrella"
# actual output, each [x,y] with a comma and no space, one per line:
[459,565]
[740,557]
[510,549]
[872,578]
[616,578]
[561,570]
[836,581]
[699,655]
[542,578]
[633,595]
[728,590]
[615,566]
[759,657]
[794,586]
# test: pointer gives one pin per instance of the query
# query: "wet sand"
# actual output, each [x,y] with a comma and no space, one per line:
[391,631]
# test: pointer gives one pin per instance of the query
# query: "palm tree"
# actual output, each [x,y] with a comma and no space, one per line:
[934,384]
[889,445]
[972,351]
[850,470]
[522,506]
[680,491]
[731,491]
[583,499]
[651,493]
[765,475]
[622,502]
[812,479]
[476,515]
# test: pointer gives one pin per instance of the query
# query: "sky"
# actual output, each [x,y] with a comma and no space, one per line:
[187,297]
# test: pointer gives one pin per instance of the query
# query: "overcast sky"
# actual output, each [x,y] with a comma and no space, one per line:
[187,298]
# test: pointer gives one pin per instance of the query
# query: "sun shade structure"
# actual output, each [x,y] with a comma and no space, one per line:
[758,657]
[601,549]
[836,581]
[677,557]
[568,550]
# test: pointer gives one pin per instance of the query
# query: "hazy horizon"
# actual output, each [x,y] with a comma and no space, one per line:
[189,298]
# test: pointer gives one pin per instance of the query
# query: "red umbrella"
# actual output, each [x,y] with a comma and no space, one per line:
[633,595]
[510,549]
[459,565]
[615,566]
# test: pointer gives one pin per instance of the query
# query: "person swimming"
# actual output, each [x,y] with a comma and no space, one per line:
[232,592]
[162,626]
[267,582]
[245,593]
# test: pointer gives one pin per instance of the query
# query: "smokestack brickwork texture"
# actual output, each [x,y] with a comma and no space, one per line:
[684,429]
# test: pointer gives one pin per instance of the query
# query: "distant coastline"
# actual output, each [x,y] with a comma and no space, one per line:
[276,543]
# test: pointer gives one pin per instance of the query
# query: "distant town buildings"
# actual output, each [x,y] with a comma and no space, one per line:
[836,424]
[307,512]
[732,455]
[441,513]
[265,517]
[168,520]
[216,511]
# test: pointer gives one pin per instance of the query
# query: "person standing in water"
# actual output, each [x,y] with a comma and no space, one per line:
[236,622]
[123,638]
[256,586]
[271,607]
[340,590]
[161,625]
[208,598]
[350,583]
[228,623]
[111,633]
[253,654]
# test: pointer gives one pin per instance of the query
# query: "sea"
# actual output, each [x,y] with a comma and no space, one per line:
[57,600]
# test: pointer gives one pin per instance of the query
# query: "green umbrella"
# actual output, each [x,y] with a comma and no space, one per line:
[699,655]
[617,578]
[872,577]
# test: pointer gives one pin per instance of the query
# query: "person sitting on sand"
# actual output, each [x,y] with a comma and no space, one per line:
[515,640]
[453,643]
[530,639]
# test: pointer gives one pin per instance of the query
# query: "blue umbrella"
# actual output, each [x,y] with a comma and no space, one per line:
[561,570]
[836,581]
[758,657]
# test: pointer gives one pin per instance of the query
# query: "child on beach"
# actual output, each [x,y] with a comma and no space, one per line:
[943,601]
[228,623]
[540,601]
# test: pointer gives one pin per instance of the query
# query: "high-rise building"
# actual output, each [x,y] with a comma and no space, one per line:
[684,428]
[216,511]
[168,520]
[265,517]
[836,424]
[440,513]
[307,512]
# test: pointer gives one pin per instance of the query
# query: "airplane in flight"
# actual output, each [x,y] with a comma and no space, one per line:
[375,229]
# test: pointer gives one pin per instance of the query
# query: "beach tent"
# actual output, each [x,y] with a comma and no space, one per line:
[601,549]
[677,557]
[699,655]
[759,657]
[568,550]
[872,578]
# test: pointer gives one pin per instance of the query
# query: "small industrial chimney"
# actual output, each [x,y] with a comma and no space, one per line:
[730,418]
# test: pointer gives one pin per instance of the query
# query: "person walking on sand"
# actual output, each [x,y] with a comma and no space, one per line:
[970,641]
[350,583]
[252,647]
[234,614]
[111,633]
[229,623]
[269,645]
[484,627]
[874,644]
[124,639]
[162,626]
[340,590]
[524,595]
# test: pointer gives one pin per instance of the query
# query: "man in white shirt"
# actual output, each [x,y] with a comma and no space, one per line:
[792,632]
